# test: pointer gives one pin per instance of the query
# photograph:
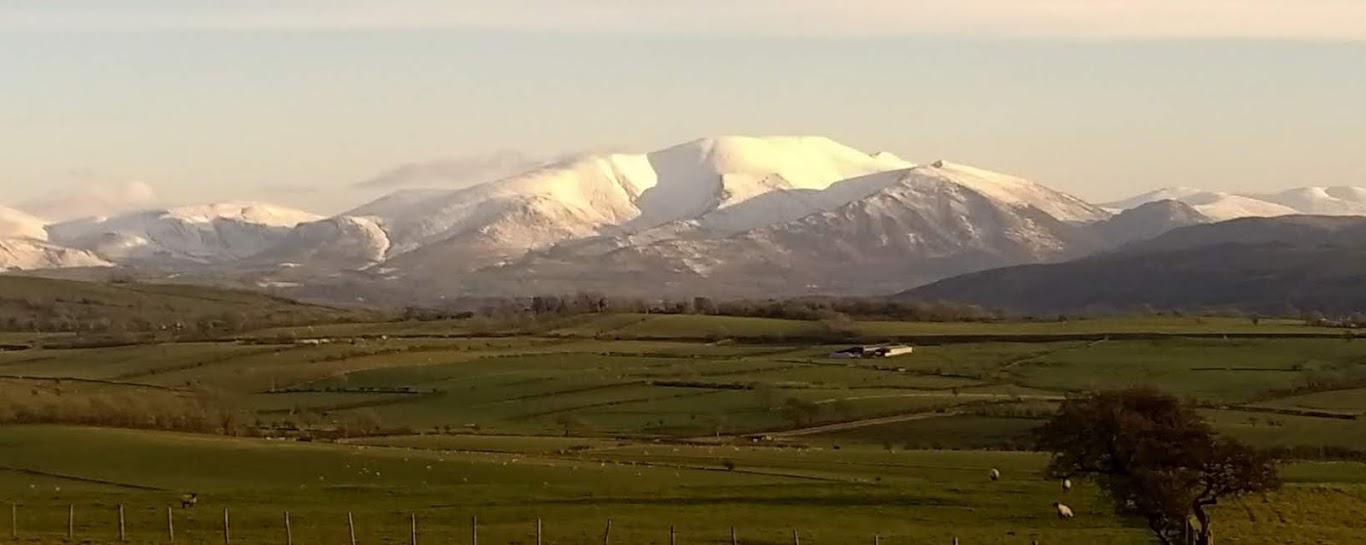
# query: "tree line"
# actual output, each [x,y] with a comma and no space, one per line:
[796,308]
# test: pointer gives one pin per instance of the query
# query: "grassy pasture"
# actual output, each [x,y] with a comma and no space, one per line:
[829,496]
[1350,400]
[1111,325]
[682,387]
[1274,430]
[697,327]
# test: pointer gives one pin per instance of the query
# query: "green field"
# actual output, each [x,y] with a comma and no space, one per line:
[667,326]
[700,422]
[574,486]
[569,378]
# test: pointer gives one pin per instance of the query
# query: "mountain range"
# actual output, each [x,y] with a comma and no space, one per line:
[1219,206]
[730,216]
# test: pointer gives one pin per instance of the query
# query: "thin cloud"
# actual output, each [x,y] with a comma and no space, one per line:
[288,189]
[93,199]
[453,172]
[1339,20]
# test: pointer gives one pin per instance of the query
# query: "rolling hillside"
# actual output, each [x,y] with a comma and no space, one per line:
[44,304]
[1268,265]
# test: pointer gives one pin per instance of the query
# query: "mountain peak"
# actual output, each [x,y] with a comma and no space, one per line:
[1161,194]
[246,211]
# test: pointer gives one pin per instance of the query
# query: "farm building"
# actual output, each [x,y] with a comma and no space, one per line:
[877,351]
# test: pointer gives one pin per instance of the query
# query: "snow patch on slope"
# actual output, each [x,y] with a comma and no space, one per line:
[1021,192]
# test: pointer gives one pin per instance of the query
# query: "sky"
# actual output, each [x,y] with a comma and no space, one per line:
[322,105]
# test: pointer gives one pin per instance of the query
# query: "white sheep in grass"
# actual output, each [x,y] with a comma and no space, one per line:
[995,474]
[1064,512]
[189,500]
[1067,485]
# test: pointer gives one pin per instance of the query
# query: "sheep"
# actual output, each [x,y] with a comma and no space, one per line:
[1064,512]
[1067,485]
[995,474]
[188,500]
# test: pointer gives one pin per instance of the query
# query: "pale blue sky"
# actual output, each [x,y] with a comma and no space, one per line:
[296,106]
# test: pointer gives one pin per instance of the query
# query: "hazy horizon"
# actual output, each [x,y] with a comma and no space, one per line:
[139,103]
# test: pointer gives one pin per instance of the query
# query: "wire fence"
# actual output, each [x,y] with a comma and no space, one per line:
[211,526]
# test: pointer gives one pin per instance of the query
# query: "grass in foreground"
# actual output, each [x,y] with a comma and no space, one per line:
[830,496]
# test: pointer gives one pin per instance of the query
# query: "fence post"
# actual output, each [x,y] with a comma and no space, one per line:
[607,534]
[538,530]
[733,539]
[796,539]
[351,527]
[170,524]
[122,535]
[474,529]
[412,528]
[71,521]
[227,528]
[289,531]
[673,539]
[877,539]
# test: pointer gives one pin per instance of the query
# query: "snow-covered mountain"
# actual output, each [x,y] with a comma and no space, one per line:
[1147,221]
[918,224]
[1330,201]
[17,224]
[24,246]
[1215,205]
[784,213]
[337,243]
[1175,193]
[1335,201]
[197,234]
[706,182]
[25,254]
